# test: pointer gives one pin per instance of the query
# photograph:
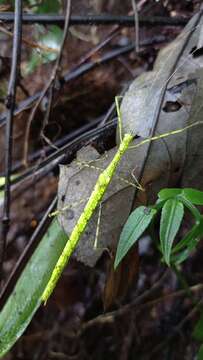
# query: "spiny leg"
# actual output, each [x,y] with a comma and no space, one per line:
[97,234]
[119,117]
[164,135]
[66,207]
[98,227]
[137,185]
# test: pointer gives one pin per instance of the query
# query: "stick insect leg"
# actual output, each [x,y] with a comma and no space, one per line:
[98,226]
[137,184]
[66,207]
[165,135]
[119,117]
[97,233]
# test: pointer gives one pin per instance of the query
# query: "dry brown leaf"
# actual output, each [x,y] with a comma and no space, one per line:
[168,98]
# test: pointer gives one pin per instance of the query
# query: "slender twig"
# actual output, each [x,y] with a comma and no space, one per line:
[85,68]
[176,330]
[110,316]
[10,103]
[136,16]
[25,104]
[104,19]
[113,33]
[49,85]
[174,295]
[56,71]
[140,304]
[29,43]
[42,154]
[63,154]
[70,76]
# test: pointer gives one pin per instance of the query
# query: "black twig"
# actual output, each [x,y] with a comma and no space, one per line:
[10,104]
[104,19]
[50,84]
[70,76]
[42,154]
[85,68]
[110,316]
[55,73]
[62,154]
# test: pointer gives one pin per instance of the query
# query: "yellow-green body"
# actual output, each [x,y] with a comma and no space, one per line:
[99,190]
[101,185]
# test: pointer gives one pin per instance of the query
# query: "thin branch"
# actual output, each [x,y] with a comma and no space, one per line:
[29,43]
[68,77]
[10,104]
[42,154]
[85,68]
[63,153]
[49,85]
[26,104]
[104,19]
[176,330]
[174,295]
[110,316]
[136,17]
[140,304]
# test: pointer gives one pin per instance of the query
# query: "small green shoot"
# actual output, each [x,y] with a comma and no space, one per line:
[170,204]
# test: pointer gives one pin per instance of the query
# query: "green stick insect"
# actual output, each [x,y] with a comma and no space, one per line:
[168,68]
[95,199]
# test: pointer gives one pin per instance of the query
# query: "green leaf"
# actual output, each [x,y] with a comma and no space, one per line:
[25,298]
[136,224]
[171,218]
[48,6]
[166,194]
[194,196]
[194,211]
